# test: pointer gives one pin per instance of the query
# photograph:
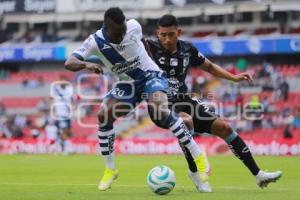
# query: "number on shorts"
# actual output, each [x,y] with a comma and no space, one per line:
[118,92]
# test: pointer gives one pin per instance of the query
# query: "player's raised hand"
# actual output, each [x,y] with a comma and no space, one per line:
[95,68]
[244,77]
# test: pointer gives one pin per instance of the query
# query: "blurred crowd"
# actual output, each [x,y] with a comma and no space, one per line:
[268,79]
[279,110]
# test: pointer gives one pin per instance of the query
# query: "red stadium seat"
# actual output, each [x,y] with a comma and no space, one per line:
[20,102]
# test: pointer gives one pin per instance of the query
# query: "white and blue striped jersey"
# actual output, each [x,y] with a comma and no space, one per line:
[62,97]
[128,58]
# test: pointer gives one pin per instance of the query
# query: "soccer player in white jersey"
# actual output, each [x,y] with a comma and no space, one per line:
[62,107]
[118,44]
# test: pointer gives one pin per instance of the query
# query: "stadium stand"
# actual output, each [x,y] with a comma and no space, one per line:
[25,83]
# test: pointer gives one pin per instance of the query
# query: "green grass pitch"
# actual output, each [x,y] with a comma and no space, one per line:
[45,177]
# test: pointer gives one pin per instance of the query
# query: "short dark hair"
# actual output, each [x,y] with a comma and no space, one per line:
[167,20]
[115,14]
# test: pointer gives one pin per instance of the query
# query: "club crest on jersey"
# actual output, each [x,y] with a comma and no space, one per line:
[132,38]
[186,61]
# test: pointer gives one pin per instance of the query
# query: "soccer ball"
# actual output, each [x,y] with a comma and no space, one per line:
[161,180]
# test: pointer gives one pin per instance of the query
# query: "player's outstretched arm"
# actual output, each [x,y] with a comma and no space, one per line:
[74,64]
[219,72]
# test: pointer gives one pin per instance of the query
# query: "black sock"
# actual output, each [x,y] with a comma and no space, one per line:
[242,151]
[189,158]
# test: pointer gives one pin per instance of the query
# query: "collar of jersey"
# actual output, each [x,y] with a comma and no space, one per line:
[107,38]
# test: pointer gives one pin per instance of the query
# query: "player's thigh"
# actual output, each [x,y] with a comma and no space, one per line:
[65,133]
[206,121]
[187,119]
[118,102]
[221,128]
[156,88]
[158,108]
[105,114]
[158,98]
[203,117]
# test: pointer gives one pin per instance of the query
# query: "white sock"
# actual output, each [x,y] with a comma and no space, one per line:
[110,161]
[194,149]
[196,178]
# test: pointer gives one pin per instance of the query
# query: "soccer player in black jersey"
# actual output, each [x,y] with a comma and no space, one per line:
[175,57]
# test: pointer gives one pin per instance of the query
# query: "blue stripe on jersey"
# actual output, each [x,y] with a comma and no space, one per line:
[114,57]
[108,51]
[58,92]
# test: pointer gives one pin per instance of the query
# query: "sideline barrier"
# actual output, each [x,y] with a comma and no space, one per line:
[258,146]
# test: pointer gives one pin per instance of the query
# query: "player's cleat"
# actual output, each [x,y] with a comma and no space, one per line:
[263,178]
[200,186]
[108,177]
[203,167]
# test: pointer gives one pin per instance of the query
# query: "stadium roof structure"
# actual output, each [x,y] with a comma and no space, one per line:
[180,8]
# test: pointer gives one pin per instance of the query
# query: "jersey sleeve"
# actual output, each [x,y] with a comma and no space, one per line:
[137,28]
[87,49]
[151,45]
[197,57]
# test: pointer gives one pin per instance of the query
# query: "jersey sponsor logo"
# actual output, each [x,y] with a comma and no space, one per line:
[174,85]
[172,72]
[174,62]
[126,66]
[161,60]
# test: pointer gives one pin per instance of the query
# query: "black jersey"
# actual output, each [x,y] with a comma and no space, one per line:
[176,64]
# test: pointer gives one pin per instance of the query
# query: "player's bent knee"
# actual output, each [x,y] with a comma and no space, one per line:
[187,119]
[160,121]
[100,116]
[221,128]
[104,118]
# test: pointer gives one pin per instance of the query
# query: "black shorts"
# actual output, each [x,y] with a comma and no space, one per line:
[203,116]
